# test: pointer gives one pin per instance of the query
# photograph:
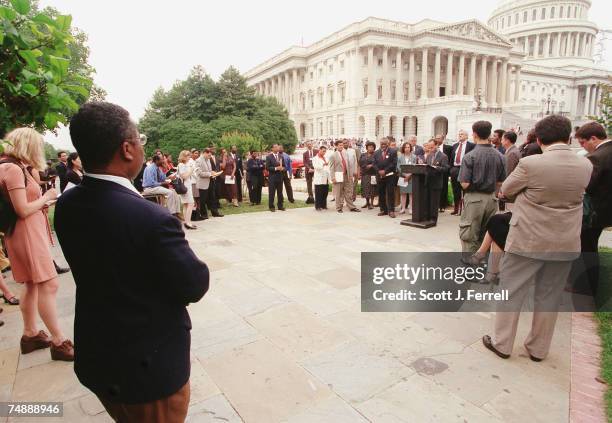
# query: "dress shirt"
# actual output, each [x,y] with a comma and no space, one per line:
[152,176]
[124,182]
[602,143]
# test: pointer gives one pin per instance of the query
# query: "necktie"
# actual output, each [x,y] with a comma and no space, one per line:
[343,162]
[458,157]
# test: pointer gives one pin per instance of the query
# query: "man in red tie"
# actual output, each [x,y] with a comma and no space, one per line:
[342,172]
[460,149]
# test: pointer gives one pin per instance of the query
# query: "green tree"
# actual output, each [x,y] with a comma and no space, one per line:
[176,135]
[273,124]
[605,105]
[244,142]
[38,87]
[50,152]
[235,98]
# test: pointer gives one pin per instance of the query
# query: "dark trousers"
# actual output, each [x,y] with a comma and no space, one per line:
[288,188]
[444,193]
[386,194]
[256,184]
[320,196]
[309,177]
[215,186]
[585,270]
[434,204]
[239,187]
[208,201]
[275,187]
[457,191]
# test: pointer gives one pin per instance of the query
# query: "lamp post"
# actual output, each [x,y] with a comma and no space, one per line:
[478,99]
[547,104]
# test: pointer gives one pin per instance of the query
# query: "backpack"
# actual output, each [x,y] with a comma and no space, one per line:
[8,217]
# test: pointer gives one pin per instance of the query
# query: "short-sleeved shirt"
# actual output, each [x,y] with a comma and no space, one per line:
[482,167]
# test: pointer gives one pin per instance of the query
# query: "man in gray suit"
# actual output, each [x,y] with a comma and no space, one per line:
[511,153]
[205,172]
[544,236]
[343,171]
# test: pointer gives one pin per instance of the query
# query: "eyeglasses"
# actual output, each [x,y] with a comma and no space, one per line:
[143,139]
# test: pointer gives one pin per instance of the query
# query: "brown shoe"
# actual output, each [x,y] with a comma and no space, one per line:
[392,215]
[382,213]
[36,342]
[63,352]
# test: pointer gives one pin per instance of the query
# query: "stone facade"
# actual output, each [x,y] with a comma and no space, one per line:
[379,77]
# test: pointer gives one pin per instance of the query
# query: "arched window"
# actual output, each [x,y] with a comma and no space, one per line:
[561,12]
[543,14]
[534,15]
[509,18]
[516,19]
[552,13]
[576,12]
[569,10]
[525,16]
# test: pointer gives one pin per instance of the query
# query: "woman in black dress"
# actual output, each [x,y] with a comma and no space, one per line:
[74,174]
[368,174]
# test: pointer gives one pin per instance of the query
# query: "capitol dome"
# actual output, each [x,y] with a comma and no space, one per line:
[549,32]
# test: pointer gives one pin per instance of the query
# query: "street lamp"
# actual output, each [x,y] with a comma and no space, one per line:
[547,101]
[478,99]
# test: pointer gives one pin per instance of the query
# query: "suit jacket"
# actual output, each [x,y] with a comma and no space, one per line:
[600,186]
[547,215]
[307,159]
[62,169]
[271,163]
[335,164]
[468,147]
[512,155]
[203,170]
[435,181]
[134,274]
[388,164]
[448,151]
[239,166]
[419,151]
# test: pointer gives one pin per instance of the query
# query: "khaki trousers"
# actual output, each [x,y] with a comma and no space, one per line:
[172,409]
[477,210]
[517,274]
[343,191]
[173,201]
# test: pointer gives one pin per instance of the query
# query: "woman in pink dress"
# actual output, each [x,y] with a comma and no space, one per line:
[28,243]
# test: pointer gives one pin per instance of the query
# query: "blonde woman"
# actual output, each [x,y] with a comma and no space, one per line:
[28,243]
[185,172]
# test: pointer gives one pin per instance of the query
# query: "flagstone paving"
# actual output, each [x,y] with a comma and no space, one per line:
[280,336]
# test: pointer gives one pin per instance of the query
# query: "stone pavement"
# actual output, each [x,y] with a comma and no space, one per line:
[280,336]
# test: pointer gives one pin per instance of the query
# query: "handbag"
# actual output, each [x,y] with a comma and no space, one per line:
[8,216]
[179,186]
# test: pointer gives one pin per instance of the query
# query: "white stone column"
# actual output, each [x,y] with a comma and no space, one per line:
[575,49]
[504,83]
[587,100]
[494,64]
[547,45]
[399,83]
[593,100]
[356,83]
[461,75]
[526,45]
[424,72]
[449,73]
[517,84]
[472,77]
[295,85]
[411,79]
[558,44]
[436,87]
[483,78]
[371,76]
[536,48]
[596,109]
[385,74]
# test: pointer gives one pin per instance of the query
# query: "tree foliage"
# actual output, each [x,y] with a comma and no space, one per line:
[44,74]
[605,105]
[216,112]
[244,142]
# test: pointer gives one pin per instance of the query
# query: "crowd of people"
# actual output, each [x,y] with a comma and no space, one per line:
[528,211]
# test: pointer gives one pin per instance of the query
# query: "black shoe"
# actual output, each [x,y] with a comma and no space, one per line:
[188,226]
[486,341]
[217,214]
[60,270]
[310,200]
[272,209]
[6,269]
[204,217]
[292,201]
[282,209]
[356,210]
[536,359]
[340,211]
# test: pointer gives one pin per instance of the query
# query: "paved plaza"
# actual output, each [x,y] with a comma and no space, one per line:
[280,336]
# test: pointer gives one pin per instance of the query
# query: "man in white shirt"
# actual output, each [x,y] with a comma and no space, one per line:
[459,150]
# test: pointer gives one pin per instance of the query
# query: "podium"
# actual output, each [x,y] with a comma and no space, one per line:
[421,212]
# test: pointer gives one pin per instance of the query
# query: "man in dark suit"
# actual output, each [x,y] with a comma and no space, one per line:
[131,326]
[385,164]
[62,169]
[274,164]
[593,138]
[435,182]
[239,172]
[448,151]
[459,150]
[309,170]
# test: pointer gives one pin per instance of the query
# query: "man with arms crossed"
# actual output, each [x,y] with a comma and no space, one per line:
[544,236]
[131,326]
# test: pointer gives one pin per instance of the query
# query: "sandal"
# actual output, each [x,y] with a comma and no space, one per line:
[12,301]
[188,226]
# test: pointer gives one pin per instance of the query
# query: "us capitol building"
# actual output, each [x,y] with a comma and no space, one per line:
[379,77]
